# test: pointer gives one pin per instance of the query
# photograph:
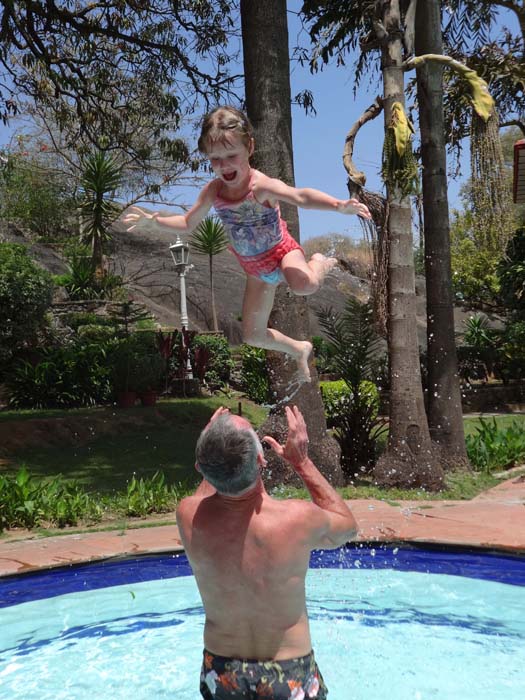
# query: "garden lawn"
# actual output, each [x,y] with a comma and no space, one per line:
[502,421]
[107,463]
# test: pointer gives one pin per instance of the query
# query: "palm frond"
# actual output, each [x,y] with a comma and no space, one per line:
[209,238]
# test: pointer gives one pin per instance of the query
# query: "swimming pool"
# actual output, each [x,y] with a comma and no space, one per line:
[387,623]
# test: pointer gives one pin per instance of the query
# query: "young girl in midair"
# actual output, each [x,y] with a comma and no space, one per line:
[247,203]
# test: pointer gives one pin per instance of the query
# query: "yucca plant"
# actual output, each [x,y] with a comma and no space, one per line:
[101,176]
[210,239]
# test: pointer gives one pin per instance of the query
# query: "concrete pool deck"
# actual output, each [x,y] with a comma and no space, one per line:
[493,520]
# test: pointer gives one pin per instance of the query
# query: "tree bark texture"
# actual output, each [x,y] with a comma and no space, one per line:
[445,415]
[410,458]
[268,104]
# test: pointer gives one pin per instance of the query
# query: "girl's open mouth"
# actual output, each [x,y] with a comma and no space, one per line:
[229,176]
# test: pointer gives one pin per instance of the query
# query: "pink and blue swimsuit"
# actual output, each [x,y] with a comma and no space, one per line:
[259,238]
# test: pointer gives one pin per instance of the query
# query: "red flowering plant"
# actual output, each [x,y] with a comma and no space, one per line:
[165,345]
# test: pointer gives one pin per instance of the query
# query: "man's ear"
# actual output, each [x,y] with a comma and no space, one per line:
[261,461]
[197,467]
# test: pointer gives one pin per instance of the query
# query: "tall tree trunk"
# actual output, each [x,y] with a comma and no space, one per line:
[268,103]
[409,460]
[97,255]
[445,415]
[212,294]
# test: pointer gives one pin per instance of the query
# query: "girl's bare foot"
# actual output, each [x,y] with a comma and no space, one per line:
[303,371]
[323,264]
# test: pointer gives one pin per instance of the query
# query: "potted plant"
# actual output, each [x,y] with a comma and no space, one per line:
[148,371]
[122,359]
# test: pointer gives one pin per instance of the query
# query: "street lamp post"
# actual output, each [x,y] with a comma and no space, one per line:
[180,252]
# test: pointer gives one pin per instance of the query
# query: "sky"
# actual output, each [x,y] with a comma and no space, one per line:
[318,140]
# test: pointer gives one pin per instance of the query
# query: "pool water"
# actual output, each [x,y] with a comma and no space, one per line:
[382,632]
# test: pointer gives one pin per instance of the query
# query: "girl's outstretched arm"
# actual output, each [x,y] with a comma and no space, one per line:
[135,217]
[271,189]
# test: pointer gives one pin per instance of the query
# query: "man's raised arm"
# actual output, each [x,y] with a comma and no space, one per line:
[337,525]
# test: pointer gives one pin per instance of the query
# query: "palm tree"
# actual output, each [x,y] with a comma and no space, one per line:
[268,103]
[445,415]
[409,459]
[210,239]
[101,176]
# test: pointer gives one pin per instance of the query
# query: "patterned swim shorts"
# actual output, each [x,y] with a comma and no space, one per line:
[223,678]
[267,266]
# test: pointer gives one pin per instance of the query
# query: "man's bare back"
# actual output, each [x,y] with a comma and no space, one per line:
[251,573]
[250,555]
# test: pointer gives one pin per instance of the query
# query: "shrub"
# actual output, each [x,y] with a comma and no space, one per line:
[474,267]
[219,358]
[148,365]
[353,402]
[511,273]
[25,296]
[83,280]
[26,501]
[36,196]
[75,375]
[77,319]
[511,359]
[134,363]
[323,353]
[337,398]
[145,496]
[254,374]
[496,448]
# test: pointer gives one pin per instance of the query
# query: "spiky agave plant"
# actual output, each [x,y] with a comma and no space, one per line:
[210,239]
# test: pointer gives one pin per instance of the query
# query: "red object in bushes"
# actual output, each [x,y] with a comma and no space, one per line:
[518,189]
[126,399]
[148,398]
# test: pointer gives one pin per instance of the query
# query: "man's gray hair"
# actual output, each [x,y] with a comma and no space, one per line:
[227,456]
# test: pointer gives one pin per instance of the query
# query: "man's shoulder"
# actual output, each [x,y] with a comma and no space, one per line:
[187,506]
[295,507]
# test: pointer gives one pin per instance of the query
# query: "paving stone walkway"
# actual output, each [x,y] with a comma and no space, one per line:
[495,519]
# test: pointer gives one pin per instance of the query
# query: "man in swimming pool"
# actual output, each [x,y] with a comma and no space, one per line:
[250,553]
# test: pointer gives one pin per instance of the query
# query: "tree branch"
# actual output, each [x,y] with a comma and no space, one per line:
[514,122]
[356,176]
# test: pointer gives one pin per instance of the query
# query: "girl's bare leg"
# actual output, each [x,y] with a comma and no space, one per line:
[257,306]
[303,277]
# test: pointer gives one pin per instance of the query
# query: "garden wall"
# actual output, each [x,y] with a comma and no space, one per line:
[482,398]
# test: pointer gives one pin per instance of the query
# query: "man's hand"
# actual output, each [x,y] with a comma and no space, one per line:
[353,206]
[135,217]
[219,412]
[295,451]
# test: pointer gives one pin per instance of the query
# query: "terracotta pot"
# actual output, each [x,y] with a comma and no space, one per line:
[126,399]
[148,398]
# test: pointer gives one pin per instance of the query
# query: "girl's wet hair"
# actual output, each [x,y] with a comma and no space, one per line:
[220,124]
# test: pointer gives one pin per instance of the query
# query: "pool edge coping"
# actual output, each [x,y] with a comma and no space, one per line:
[493,521]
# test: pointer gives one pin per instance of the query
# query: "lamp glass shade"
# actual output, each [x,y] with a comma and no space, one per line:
[180,252]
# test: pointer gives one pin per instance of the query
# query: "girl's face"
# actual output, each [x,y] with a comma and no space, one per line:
[230,160]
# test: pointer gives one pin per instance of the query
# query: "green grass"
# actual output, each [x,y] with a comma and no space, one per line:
[107,463]
[459,486]
[502,421]
[32,414]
